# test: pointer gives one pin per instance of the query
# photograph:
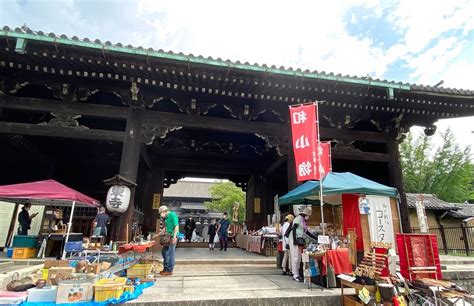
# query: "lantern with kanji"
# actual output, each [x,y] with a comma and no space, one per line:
[118,198]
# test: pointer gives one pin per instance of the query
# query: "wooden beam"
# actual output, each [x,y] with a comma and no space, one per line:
[184,120]
[62,132]
[206,166]
[47,105]
[362,156]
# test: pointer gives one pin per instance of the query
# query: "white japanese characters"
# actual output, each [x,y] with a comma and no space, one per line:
[304,169]
[299,117]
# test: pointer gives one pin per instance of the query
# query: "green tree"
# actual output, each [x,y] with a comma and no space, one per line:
[448,172]
[224,195]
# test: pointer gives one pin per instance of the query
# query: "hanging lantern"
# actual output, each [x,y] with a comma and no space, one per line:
[118,198]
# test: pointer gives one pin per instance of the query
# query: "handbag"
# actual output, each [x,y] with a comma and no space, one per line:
[17,285]
[165,239]
[300,241]
[216,238]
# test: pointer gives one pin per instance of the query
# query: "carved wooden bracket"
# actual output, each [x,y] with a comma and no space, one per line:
[134,97]
[280,144]
[345,122]
[8,86]
[345,145]
[160,131]
[67,93]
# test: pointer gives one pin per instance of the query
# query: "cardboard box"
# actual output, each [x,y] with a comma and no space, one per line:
[59,273]
[74,291]
[52,263]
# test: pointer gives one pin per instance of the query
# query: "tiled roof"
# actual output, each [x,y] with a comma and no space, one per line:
[431,202]
[185,189]
[27,33]
[465,211]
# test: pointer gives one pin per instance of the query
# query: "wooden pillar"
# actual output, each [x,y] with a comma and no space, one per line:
[154,191]
[250,199]
[396,180]
[291,170]
[129,163]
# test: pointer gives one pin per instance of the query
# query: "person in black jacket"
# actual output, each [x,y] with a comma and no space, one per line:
[189,227]
[24,219]
[212,234]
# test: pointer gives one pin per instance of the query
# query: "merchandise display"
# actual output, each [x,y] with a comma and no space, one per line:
[87,278]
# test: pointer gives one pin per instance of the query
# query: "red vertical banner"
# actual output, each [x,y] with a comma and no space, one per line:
[324,160]
[304,131]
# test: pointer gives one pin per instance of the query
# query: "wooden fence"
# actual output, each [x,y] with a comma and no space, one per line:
[453,239]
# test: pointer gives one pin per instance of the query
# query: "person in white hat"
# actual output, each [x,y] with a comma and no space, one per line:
[171,228]
[297,242]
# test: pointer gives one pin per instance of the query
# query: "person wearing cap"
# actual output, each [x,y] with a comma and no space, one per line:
[171,228]
[286,247]
[298,231]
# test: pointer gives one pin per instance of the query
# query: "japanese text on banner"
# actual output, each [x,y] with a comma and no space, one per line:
[304,130]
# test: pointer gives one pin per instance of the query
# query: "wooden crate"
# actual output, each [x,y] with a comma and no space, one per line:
[352,300]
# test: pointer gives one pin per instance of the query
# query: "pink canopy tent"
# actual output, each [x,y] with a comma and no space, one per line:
[48,192]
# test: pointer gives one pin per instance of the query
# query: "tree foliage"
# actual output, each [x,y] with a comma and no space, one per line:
[448,172]
[224,195]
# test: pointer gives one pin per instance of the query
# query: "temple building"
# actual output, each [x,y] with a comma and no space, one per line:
[82,111]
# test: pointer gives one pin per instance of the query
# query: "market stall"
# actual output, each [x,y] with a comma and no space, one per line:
[352,205]
[356,214]
[51,194]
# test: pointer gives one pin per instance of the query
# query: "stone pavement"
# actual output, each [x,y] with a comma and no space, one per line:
[233,285]
[234,277]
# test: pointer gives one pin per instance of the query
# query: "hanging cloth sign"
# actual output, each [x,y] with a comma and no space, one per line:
[304,131]
[380,219]
[324,154]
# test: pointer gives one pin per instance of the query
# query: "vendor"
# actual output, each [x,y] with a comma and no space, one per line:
[24,219]
[100,223]
[297,242]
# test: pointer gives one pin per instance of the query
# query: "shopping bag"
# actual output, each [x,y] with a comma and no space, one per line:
[216,238]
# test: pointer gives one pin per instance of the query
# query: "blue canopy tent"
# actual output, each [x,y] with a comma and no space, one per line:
[335,184]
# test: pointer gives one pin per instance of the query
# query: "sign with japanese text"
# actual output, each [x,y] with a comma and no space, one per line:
[118,198]
[421,213]
[304,131]
[156,201]
[380,219]
[325,165]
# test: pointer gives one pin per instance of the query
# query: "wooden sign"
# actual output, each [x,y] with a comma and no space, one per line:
[156,201]
[256,203]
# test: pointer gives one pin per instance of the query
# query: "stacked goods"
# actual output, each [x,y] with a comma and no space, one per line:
[372,265]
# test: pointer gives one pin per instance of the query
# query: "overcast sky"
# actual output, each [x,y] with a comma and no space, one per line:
[414,41]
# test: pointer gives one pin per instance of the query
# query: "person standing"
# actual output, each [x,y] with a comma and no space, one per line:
[171,228]
[189,227]
[285,243]
[212,234]
[101,221]
[24,219]
[297,241]
[223,231]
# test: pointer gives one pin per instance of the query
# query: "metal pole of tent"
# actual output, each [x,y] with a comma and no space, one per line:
[68,229]
[320,153]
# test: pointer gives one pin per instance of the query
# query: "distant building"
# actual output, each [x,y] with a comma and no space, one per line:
[187,198]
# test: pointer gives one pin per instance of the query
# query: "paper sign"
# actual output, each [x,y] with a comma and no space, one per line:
[323,239]
[256,208]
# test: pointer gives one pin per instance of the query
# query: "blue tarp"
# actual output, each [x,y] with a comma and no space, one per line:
[127,296]
[336,183]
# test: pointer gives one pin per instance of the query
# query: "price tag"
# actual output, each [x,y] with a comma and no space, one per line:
[323,239]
